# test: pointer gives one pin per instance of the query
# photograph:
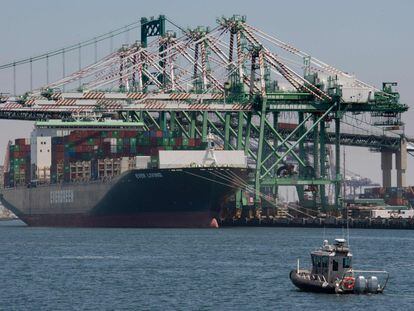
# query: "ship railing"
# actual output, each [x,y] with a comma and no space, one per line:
[305,276]
[321,278]
[308,276]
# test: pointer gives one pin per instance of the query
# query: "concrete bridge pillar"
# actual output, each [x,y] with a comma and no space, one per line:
[386,166]
[401,164]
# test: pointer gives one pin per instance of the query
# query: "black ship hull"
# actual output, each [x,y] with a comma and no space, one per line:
[311,285]
[187,197]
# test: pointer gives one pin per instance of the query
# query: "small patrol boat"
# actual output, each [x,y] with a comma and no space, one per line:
[332,272]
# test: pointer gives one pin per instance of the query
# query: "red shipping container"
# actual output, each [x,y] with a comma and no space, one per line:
[57,159]
[105,147]
[127,134]
[287,126]
[144,150]
[25,148]
[20,141]
[20,154]
[90,134]
[396,201]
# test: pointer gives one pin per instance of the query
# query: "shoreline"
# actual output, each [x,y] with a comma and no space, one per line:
[407,224]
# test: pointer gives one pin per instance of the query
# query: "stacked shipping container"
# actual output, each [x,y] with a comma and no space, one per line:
[19,163]
[92,154]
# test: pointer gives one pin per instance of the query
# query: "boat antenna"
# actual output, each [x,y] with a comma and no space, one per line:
[347,225]
[324,229]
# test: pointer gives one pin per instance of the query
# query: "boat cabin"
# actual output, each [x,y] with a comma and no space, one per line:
[332,261]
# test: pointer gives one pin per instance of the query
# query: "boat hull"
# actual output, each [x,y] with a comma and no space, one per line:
[310,285]
[188,197]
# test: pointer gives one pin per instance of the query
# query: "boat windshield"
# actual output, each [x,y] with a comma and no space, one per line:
[347,262]
[325,261]
[316,261]
[334,265]
[319,262]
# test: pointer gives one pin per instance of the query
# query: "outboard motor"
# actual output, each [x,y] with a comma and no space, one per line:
[360,284]
[372,284]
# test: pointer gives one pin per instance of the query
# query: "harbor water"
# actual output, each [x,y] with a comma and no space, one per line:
[188,269]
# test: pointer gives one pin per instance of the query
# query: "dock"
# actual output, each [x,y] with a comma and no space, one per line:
[393,223]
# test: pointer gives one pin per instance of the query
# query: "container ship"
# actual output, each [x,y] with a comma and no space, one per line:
[115,174]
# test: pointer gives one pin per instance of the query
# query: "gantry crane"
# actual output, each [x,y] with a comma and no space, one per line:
[234,81]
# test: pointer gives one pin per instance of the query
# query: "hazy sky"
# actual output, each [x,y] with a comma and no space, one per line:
[372,39]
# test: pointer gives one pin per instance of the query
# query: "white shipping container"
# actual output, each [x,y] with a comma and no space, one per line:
[387,213]
[141,162]
[43,174]
[41,151]
[409,213]
[380,213]
[124,164]
[203,158]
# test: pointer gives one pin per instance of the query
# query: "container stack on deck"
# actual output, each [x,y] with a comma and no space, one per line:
[19,163]
[92,154]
